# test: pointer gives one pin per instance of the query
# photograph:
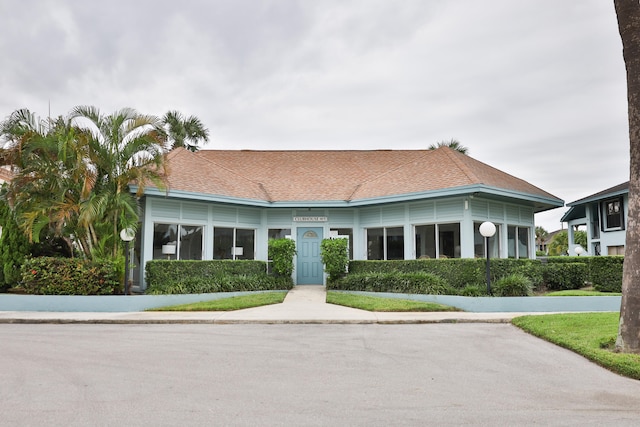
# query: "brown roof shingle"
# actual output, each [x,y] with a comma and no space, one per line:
[344,175]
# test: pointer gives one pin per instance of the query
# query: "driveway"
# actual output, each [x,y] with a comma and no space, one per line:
[301,375]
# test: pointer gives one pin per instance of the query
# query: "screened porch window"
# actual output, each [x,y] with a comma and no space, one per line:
[445,245]
[233,243]
[518,241]
[478,242]
[385,243]
[176,241]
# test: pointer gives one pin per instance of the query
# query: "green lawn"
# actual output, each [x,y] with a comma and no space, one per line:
[369,303]
[229,304]
[581,293]
[592,335]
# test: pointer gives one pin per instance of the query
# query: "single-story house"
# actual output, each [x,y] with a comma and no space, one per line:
[390,204]
[605,216]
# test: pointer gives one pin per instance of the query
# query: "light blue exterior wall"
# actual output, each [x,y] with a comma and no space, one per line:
[606,238]
[464,210]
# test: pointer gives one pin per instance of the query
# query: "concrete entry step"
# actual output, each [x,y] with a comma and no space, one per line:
[307,294]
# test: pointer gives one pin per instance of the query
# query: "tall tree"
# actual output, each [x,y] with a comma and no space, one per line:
[628,13]
[541,236]
[125,147]
[187,132]
[454,144]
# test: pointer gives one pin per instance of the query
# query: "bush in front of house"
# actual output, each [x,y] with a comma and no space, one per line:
[281,253]
[68,276]
[222,283]
[565,275]
[188,277]
[418,282]
[457,273]
[606,273]
[513,285]
[335,257]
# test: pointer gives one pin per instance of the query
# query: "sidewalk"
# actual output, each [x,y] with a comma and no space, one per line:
[303,304]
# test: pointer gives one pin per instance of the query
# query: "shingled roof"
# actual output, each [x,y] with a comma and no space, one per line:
[340,176]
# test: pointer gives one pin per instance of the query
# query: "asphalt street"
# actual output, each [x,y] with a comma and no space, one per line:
[301,375]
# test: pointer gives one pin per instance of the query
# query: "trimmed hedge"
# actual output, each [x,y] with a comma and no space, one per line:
[417,282]
[565,276]
[186,277]
[606,273]
[69,276]
[458,273]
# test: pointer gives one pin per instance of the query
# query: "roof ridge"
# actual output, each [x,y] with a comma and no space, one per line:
[387,172]
[462,165]
[259,184]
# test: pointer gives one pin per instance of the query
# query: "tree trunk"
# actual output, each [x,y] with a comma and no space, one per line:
[628,12]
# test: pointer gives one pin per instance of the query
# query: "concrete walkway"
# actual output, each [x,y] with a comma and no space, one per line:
[303,304]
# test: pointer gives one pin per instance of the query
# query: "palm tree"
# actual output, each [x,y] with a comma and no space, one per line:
[125,147]
[50,178]
[628,13]
[184,132]
[541,236]
[454,144]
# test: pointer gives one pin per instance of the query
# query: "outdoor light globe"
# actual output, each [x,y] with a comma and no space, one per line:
[487,229]
[579,250]
[127,234]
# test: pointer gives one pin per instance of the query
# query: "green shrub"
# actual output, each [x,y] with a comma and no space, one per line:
[565,276]
[335,256]
[513,285]
[473,291]
[458,272]
[222,283]
[281,253]
[187,277]
[406,283]
[69,276]
[165,272]
[606,273]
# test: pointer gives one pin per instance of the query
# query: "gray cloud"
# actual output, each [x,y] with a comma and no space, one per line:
[534,87]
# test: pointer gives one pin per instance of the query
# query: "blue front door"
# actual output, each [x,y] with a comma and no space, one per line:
[309,266]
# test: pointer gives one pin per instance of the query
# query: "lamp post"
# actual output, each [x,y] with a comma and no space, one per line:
[127,235]
[487,229]
[578,250]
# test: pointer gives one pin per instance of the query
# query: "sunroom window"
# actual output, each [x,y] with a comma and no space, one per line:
[385,243]
[446,245]
[233,243]
[177,241]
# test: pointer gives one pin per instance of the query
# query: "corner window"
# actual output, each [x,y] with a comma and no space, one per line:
[478,242]
[518,241]
[437,241]
[233,243]
[385,243]
[613,213]
[175,241]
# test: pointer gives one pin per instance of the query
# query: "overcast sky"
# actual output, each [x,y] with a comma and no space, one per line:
[535,88]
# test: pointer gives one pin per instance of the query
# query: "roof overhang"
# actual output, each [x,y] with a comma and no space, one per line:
[538,203]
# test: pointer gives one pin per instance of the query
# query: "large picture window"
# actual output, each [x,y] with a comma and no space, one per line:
[233,243]
[176,241]
[478,242]
[385,243]
[613,213]
[518,241]
[437,241]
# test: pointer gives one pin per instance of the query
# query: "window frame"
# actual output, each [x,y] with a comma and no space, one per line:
[606,215]
[385,242]
[178,240]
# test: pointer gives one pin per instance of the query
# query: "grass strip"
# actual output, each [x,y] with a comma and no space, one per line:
[229,304]
[370,303]
[581,293]
[592,335]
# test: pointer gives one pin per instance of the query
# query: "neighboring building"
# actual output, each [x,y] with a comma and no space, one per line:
[605,216]
[391,204]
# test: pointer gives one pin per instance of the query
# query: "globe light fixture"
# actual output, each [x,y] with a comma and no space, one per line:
[487,230]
